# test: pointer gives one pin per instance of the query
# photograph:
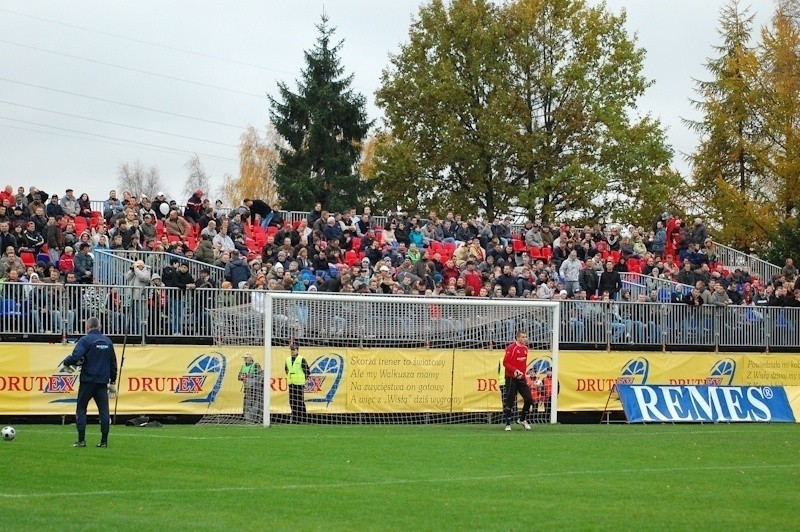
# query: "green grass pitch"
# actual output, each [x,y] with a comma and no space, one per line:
[404,477]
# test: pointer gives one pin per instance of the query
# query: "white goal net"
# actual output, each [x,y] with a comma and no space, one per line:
[377,359]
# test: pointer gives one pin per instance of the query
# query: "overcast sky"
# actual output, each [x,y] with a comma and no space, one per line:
[210,63]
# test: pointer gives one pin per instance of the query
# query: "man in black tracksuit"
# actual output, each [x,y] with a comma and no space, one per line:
[259,207]
[182,279]
[95,353]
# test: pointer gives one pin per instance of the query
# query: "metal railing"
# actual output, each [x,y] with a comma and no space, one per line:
[296,216]
[52,310]
[732,258]
[291,216]
[110,265]
[57,309]
[637,283]
[671,325]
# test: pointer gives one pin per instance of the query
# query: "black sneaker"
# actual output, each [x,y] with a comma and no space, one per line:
[103,444]
[79,444]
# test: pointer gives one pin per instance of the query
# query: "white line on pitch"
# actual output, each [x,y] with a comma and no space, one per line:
[360,434]
[145,433]
[396,482]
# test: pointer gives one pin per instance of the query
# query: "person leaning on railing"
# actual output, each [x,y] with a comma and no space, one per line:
[719,297]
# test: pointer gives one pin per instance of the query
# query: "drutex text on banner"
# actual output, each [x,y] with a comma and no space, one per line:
[701,404]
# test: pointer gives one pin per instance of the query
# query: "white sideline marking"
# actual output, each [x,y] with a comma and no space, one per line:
[115,434]
[367,484]
[144,433]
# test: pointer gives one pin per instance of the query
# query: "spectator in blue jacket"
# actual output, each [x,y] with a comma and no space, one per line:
[237,269]
[84,265]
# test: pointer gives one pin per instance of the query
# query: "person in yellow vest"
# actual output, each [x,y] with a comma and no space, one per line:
[252,377]
[297,375]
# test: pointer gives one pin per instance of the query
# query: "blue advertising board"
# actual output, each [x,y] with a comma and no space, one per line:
[701,404]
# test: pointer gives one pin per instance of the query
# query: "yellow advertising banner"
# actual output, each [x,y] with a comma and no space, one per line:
[587,378]
[155,379]
[203,380]
[793,394]
[387,381]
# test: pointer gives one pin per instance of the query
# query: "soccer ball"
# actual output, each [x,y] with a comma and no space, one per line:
[9,433]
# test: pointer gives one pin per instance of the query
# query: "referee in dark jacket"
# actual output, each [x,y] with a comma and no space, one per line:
[94,352]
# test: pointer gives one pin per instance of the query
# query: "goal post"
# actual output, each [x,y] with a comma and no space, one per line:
[265,389]
[382,359]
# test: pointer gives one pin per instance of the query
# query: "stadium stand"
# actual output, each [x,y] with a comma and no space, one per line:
[154,270]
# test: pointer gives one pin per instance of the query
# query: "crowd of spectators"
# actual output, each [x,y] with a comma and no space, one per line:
[51,238]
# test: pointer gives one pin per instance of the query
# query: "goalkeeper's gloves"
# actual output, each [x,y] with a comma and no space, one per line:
[66,369]
[517,374]
[72,368]
[112,391]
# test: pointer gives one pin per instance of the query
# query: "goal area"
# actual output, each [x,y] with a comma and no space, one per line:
[377,359]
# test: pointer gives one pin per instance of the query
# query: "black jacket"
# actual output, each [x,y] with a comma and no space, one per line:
[260,208]
[610,281]
[587,278]
[181,279]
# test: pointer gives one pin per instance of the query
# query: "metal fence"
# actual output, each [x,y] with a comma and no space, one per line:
[732,259]
[671,325]
[296,216]
[152,313]
[56,309]
[110,266]
[664,289]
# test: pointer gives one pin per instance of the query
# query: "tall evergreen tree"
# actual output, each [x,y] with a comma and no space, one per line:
[726,171]
[323,124]
[778,99]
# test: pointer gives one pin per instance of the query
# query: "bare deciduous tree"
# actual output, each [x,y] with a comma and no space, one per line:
[140,181]
[196,178]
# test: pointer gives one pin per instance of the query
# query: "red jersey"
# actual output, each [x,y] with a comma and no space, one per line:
[8,196]
[66,263]
[516,359]
[474,280]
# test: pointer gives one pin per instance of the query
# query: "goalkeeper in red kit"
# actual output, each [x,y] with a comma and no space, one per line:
[515,362]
